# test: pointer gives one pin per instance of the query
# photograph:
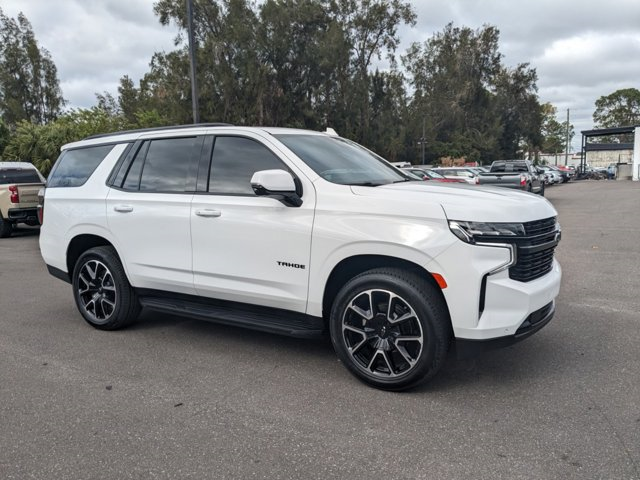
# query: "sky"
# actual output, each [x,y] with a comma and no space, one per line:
[581,49]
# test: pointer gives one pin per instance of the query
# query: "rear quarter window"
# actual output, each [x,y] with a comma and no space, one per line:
[74,167]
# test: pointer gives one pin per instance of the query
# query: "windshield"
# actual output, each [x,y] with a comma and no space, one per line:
[342,161]
[509,167]
[432,174]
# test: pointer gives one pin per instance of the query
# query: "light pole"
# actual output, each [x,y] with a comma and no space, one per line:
[566,146]
[192,59]
[423,140]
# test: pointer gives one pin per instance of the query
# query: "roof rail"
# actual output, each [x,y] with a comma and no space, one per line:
[158,129]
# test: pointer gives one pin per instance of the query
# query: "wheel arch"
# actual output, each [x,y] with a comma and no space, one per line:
[80,244]
[352,266]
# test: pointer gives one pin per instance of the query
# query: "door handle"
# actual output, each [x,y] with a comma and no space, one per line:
[123,208]
[206,212]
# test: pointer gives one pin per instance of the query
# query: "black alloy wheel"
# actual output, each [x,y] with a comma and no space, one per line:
[391,328]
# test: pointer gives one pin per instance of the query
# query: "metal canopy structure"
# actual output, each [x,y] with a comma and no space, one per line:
[608,132]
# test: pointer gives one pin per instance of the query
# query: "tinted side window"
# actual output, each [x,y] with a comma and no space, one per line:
[167,164]
[19,175]
[132,180]
[74,167]
[235,160]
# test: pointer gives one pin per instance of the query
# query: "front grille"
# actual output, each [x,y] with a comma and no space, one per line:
[532,265]
[535,250]
[539,227]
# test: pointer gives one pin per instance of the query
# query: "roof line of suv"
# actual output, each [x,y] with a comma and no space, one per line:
[157,129]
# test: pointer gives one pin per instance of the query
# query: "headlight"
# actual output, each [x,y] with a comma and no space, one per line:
[472,232]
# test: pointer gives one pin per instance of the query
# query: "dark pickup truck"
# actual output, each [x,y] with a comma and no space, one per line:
[518,174]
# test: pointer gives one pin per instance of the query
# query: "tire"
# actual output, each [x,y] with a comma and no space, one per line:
[368,342]
[529,188]
[102,291]
[6,228]
[542,190]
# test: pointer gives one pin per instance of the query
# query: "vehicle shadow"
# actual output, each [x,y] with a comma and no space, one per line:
[508,367]
[25,231]
[254,339]
[504,368]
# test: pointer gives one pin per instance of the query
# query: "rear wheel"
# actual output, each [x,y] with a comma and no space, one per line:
[390,328]
[6,227]
[101,290]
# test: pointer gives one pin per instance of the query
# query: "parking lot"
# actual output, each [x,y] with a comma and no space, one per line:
[177,398]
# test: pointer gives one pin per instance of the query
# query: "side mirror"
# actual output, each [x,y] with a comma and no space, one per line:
[278,184]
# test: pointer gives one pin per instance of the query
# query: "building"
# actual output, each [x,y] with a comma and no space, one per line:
[624,151]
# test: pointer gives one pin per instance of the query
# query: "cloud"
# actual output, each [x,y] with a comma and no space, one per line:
[580,51]
[93,44]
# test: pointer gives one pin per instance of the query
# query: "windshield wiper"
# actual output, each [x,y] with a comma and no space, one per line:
[366,184]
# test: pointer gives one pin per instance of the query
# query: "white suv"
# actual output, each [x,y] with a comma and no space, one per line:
[299,233]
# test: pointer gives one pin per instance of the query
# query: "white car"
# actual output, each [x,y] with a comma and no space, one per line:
[553,175]
[299,233]
[466,174]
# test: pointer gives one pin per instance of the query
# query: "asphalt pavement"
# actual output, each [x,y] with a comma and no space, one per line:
[176,398]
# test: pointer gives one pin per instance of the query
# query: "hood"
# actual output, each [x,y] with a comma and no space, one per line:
[468,202]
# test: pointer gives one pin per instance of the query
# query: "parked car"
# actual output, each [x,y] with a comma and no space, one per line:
[477,170]
[554,177]
[564,172]
[19,186]
[516,174]
[458,173]
[298,233]
[427,174]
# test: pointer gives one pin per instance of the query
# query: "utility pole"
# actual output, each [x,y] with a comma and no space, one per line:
[192,58]
[566,150]
[422,140]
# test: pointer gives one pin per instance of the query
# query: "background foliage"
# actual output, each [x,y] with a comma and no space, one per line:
[309,64]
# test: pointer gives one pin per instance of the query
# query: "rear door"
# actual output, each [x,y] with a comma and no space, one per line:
[248,248]
[148,209]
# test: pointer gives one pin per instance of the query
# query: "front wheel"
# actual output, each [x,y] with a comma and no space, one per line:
[101,290]
[390,328]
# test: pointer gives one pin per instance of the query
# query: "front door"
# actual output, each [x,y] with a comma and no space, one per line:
[247,248]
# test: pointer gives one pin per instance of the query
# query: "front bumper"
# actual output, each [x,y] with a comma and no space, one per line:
[484,305]
[466,348]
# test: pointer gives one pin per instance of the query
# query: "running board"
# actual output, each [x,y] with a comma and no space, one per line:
[271,320]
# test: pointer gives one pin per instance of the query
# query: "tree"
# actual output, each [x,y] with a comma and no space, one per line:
[554,133]
[5,135]
[371,30]
[519,110]
[40,144]
[472,105]
[295,63]
[454,75]
[29,87]
[618,109]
